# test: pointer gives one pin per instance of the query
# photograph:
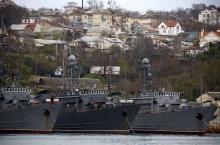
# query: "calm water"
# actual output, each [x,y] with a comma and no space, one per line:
[83,139]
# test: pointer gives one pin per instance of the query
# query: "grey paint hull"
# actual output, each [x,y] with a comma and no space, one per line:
[175,122]
[106,120]
[33,119]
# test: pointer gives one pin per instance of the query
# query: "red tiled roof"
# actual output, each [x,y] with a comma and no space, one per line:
[217,33]
[52,23]
[170,23]
[206,33]
[31,26]
[195,47]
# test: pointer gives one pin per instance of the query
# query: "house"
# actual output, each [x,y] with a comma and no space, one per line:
[18,27]
[148,23]
[101,30]
[93,42]
[193,51]
[89,18]
[110,42]
[21,28]
[189,40]
[50,15]
[210,16]
[30,20]
[122,35]
[70,6]
[98,17]
[127,22]
[189,49]
[6,2]
[161,40]
[22,31]
[186,44]
[209,37]
[48,26]
[44,42]
[74,15]
[99,43]
[116,20]
[170,27]
[192,36]
[52,30]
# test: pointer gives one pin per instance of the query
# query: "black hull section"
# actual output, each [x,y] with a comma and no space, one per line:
[180,122]
[107,120]
[33,119]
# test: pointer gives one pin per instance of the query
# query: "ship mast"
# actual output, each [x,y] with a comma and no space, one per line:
[145,74]
[3,43]
[73,71]
[82,4]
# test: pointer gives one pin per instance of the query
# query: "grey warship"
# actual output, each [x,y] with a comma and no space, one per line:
[92,111]
[20,113]
[163,112]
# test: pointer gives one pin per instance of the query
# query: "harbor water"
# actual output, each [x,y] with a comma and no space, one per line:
[88,139]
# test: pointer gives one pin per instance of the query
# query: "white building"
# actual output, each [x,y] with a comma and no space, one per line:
[6,2]
[193,52]
[210,16]
[209,37]
[70,6]
[170,27]
[43,42]
[29,20]
[100,43]
[100,30]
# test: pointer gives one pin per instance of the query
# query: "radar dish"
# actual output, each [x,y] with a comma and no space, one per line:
[145,61]
[71,58]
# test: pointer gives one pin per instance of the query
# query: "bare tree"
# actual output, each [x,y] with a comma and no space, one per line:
[112,5]
[95,4]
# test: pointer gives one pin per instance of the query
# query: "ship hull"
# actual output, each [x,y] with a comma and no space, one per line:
[32,119]
[106,120]
[191,121]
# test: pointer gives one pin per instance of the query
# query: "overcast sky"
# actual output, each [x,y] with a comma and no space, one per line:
[134,5]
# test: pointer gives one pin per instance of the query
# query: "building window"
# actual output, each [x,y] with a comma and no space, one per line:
[164,31]
[103,18]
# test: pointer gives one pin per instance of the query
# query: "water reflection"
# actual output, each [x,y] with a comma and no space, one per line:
[88,139]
